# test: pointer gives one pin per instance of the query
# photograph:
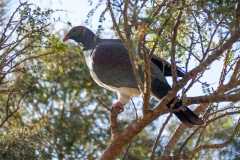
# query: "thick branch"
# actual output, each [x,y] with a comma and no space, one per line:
[214,98]
[115,131]
[135,127]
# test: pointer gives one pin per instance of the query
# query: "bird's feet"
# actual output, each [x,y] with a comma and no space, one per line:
[118,104]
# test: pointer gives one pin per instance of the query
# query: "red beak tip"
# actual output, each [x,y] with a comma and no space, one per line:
[65,39]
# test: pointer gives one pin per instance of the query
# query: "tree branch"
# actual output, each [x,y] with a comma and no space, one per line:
[173,48]
[199,148]
[214,98]
[227,45]
[159,135]
[18,106]
[115,131]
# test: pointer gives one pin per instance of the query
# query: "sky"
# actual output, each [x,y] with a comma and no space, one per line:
[74,11]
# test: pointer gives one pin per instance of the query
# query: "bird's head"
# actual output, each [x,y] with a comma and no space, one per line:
[76,33]
[82,35]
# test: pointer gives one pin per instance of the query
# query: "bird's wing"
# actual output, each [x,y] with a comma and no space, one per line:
[165,66]
[111,64]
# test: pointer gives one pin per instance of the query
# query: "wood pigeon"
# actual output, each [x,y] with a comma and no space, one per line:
[110,67]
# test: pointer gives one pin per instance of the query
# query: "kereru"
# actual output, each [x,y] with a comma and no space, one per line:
[110,67]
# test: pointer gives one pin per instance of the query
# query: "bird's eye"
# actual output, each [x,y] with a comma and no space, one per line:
[74,30]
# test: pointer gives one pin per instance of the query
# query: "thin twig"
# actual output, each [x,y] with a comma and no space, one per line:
[129,145]
[159,135]
[173,48]
[99,100]
[135,108]
[18,106]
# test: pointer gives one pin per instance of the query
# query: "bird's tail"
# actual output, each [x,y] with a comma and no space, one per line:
[186,116]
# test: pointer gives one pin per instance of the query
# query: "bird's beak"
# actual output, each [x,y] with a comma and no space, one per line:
[66,38]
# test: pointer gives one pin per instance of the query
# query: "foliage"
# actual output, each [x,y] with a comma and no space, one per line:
[48,105]
[24,33]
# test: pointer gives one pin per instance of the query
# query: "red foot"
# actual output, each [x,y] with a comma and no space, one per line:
[118,104]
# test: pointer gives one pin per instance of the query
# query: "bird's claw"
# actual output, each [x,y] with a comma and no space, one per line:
[118,104]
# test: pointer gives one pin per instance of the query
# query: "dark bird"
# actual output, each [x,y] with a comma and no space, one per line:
[110,67]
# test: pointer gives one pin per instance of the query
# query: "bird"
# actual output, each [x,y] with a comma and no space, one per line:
[110,67]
